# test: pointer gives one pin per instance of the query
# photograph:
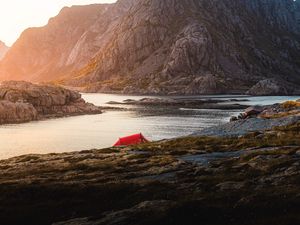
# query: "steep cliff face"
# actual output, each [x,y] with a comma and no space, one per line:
[168,47]
[65,44]
[3,50]
[45,53]
[197,47]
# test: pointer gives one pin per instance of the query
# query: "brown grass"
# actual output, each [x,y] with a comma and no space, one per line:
[290,105]
[281,115]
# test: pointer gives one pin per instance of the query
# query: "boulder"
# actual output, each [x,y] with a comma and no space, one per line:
[254,110]
[242,116]
[233,118]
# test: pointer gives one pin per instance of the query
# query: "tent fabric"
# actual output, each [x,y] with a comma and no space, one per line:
[131,140]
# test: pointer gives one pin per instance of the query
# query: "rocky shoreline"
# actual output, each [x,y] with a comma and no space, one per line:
[248,179]
[22,102]
[257,119]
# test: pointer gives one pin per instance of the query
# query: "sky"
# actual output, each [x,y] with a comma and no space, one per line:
[17,15]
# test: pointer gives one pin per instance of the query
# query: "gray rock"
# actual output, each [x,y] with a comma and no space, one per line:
[269,87]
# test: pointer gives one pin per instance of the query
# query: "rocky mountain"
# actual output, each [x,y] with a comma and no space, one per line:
[66,43]
[45,53]
[166,47]
[3,50]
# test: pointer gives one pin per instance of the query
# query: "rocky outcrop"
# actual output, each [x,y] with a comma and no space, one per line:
[24,102]
[3,50]
[182,103]
[165,47]
[257,119]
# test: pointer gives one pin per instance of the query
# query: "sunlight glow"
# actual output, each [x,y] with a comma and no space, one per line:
[17,15]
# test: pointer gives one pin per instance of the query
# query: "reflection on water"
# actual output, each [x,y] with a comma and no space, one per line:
[99,131]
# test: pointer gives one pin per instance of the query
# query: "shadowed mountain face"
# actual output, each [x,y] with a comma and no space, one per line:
[43,53]
[65,44]
[166,47]
[3,50]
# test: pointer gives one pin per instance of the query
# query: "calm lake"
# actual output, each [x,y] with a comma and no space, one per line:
[99,131]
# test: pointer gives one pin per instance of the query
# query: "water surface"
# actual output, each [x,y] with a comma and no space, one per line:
[99,131]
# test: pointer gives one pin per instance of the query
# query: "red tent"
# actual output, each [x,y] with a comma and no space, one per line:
[131,140]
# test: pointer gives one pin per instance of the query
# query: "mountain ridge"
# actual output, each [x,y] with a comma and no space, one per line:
[46,47]
[185,47]
[177,62]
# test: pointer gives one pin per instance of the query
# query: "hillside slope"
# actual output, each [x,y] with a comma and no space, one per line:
[66,43]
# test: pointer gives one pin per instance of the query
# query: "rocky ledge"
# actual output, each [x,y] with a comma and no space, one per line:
[251,179]
[23,102]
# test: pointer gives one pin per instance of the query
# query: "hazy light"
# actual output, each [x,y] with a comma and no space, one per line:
[17,15]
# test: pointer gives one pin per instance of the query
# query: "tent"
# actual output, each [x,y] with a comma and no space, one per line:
[131,140]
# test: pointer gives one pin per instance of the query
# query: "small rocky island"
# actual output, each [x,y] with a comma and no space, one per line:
[234,179]
[204,103]
[23,102]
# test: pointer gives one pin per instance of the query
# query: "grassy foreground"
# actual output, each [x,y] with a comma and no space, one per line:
[155,184]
